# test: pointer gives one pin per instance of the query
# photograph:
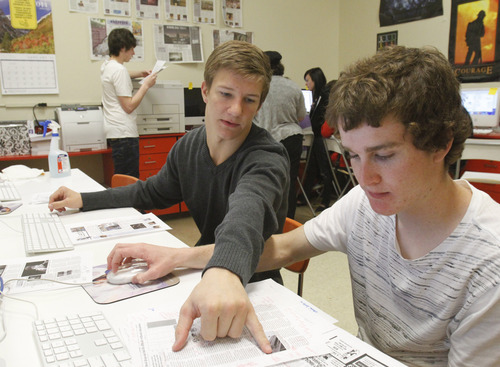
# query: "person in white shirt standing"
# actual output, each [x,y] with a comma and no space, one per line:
[119,104]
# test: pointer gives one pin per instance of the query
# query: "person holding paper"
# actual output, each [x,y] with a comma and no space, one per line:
[234,178]
[119,105]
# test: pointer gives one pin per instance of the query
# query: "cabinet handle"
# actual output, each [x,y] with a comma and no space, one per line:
[149,146]
[150,162]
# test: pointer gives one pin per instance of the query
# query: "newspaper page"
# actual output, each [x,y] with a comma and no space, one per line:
[147,9]
[346,350]
[178,44]
[63,266]
[221,36]
[293,335]
[233,13]
[176,10]
[204,11]
[99,29]
[84,6]
[102,229]
[117,8]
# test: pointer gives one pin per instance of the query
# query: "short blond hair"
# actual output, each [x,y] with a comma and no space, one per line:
[244,59]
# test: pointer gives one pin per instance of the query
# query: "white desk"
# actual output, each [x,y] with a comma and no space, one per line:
[18,348]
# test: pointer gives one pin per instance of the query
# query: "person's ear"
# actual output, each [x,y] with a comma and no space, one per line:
[204,91]
[440,154]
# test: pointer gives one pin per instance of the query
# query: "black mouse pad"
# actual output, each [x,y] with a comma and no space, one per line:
[103,292]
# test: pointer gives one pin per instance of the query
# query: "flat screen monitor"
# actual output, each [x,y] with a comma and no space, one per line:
[481,100]
[194,107]
[308,99]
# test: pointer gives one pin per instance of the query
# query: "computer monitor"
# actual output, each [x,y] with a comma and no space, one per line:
[308,99]
[482,101]
[194,107]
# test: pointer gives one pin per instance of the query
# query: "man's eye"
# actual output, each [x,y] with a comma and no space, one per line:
[384,157]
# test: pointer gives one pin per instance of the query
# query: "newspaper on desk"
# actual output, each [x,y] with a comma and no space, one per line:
[301,335]
[294,327]
[34,273]
[101,229]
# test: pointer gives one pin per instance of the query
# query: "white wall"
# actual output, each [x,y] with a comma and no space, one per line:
[308,33]
[305,32]
[359,27]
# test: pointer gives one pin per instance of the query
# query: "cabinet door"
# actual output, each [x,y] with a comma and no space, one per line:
[156,144]
[148,162]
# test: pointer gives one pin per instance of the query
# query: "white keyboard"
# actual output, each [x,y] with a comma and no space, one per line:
[8,192]
[44,232]
[80,340]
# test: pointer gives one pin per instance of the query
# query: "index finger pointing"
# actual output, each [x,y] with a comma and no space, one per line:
[254,326]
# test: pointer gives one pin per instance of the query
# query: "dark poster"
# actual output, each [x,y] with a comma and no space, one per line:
[474,42]
[404,11]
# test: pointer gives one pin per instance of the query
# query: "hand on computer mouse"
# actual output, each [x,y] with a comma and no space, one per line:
[126,272]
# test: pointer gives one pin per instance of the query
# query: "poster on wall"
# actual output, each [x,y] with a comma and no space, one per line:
[99,29]
[147,9]
[386,39]
[221,36]
[473,48]
[204,11]
[27,52]
[83,6]
[176,10]
[177,43]
[117,8]
[233,13]
[404,11]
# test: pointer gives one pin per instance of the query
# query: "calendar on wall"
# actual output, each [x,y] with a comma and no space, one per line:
[28,74]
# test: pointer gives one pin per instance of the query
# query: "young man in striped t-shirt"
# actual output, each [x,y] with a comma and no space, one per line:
[423,249]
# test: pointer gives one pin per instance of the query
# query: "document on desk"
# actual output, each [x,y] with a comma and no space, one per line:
[81,233]
[295,328]
[31,271]
[346,350]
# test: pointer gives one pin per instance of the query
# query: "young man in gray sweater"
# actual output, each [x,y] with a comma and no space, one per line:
[233,176]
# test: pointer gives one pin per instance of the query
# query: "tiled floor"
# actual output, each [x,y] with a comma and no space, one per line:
[326,280]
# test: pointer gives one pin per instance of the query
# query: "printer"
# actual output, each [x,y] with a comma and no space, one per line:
[82,128]
[161,111]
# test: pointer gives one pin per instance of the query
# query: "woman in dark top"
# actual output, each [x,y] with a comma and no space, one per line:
[318,169]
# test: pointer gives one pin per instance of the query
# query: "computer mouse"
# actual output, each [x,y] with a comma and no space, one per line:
[126,272]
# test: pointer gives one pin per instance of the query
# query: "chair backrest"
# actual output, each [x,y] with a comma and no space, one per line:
[300,266]
[118,180]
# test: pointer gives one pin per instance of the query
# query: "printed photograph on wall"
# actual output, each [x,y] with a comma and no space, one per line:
[404,11]
[474,43]
[386,39]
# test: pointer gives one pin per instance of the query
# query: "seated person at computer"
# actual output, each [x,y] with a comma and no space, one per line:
[232,175]
[423,249]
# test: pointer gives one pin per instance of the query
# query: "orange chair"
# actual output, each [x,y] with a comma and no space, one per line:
[300,266]
[118,180]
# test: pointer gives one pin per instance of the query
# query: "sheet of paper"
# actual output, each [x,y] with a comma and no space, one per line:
[159,66]
[67,267]
[293,335]
[80,233]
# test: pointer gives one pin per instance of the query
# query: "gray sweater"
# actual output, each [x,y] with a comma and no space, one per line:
[237,205]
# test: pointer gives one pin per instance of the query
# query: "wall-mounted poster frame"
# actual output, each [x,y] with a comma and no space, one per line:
[386,39]
[474,48]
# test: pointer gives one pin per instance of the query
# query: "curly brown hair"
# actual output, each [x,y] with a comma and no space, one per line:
[415,86]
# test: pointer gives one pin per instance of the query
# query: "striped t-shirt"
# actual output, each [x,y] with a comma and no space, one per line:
[442,309]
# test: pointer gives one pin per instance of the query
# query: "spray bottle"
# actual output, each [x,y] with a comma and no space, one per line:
[58,159]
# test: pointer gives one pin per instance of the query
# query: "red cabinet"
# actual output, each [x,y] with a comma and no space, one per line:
[478,165]
[153,152]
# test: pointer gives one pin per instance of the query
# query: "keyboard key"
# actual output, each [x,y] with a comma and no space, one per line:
[99,348]
[44,232]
